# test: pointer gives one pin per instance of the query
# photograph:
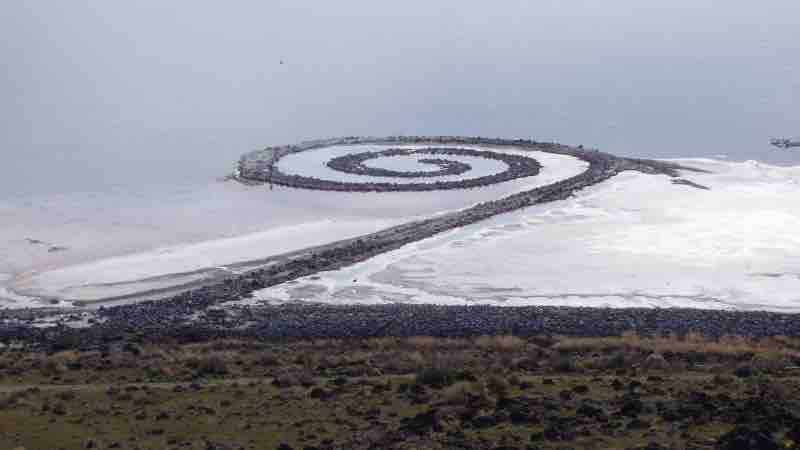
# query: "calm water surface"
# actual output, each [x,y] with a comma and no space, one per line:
[104,95]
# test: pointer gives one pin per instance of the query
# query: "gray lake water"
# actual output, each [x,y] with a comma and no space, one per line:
[100,95]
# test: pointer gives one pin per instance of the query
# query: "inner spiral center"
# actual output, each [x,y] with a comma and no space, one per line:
[359,163]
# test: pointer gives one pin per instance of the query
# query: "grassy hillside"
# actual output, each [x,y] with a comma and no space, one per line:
[414,393]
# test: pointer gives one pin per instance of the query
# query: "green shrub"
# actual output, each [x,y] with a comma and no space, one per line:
[436,377]
[564,364]
[498,386]
[211,365]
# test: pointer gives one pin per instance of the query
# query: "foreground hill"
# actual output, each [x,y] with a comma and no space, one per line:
[488,392]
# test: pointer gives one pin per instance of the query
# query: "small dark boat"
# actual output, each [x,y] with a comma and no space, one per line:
[784,143]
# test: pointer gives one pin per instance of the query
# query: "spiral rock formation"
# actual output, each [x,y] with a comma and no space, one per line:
[422,164]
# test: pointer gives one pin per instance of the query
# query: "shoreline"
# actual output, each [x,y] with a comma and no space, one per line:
[184,310]
[301,321]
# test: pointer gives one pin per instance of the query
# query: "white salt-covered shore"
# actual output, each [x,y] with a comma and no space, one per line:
[635,240]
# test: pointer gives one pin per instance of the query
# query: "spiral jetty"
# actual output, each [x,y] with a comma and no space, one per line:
[198,313]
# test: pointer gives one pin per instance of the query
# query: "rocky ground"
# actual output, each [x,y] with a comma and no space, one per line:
[184,321]
[503,392]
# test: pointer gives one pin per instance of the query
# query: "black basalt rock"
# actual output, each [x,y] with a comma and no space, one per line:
[746,438]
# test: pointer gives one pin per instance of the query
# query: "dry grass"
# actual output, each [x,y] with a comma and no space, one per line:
[500,343]
[463,392]
[400,356]
[464,379]
[691,343]
[430,343]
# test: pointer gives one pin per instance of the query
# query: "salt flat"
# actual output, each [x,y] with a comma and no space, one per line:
[635,240]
